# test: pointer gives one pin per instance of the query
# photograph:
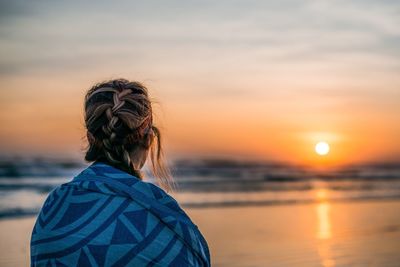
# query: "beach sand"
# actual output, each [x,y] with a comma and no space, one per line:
[321,234]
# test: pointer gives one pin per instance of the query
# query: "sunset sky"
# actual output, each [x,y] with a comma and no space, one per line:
[252,79]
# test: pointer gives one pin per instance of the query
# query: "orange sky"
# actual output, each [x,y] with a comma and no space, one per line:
[259,80]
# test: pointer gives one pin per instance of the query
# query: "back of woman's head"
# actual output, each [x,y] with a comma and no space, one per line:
[119,122]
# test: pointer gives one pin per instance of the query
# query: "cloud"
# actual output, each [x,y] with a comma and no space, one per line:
[206,36]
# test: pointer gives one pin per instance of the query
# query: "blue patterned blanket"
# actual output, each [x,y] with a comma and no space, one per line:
[107,217]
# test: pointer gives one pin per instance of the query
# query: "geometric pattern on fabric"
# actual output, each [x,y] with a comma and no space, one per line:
[107,217]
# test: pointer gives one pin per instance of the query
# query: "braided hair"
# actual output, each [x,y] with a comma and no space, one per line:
[119,121]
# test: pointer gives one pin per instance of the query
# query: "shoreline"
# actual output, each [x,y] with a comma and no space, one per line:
[243,204]
[303,234]
[269,203]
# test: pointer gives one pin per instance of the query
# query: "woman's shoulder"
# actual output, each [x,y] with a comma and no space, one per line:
[132,214]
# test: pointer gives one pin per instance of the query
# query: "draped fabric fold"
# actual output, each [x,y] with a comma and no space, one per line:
[107,217]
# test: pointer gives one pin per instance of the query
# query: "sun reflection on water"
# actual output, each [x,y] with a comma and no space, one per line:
[324,224]
[324,230]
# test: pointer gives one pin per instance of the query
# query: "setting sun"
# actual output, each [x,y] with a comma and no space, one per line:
[322,148]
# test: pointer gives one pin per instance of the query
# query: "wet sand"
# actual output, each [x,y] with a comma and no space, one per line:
[322,234]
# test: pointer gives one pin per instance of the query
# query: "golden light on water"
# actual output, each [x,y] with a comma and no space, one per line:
[323,215]
[324,224]
[324,228]
[321,195]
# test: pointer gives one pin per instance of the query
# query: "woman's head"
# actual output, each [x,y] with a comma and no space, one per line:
[120,130]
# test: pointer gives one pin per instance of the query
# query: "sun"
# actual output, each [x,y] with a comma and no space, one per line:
[322,148]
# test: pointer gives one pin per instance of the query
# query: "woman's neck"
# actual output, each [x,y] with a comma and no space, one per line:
[131,171]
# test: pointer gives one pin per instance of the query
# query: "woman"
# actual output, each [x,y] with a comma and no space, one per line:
[107,215]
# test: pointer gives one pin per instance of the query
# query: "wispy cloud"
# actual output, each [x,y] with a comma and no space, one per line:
[283,61]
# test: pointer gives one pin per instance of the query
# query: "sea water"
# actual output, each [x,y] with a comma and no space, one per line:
[25,183]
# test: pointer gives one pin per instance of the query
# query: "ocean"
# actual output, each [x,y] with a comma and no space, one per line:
[205,183]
